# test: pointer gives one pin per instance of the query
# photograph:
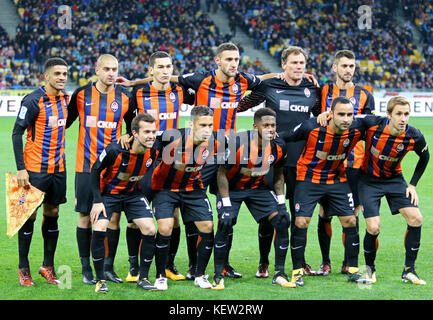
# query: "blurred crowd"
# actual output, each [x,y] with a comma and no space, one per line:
[129,30]
[386,50]
[384,46]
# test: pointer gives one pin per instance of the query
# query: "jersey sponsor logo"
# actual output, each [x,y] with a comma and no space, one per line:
[53,122]
[332,157]
[374,151]
[193,169]
[387,158]
[167,115]
[124,176]
[253,172]
[91,123]
[215,103]
[299,108]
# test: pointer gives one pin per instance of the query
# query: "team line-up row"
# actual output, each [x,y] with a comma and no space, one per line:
[286,155]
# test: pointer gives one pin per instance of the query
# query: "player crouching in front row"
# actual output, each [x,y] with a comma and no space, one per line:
[120,191]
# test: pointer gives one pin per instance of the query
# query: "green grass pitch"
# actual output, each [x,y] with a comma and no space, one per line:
[244,254]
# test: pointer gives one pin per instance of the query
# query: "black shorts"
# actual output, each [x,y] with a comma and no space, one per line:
[261,202]
[146,185]
[352,179]
[372,189]
[290,180]
[194,205]
[134,204]
[53,184]
[337,199]
[83,192]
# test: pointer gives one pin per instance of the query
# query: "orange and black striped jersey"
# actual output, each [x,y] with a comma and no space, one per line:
[164,106]
[322,159]
[363,103]
[222,97]
[118,171]
[101,117]
[181,161]
[384,152]
[44,116]
[247,164]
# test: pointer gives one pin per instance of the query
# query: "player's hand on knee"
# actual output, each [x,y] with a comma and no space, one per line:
[283,216]
[411,192]
[23,178]
[97,208]
[226,219]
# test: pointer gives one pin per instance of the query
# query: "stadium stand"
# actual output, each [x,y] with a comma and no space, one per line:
[387,55]
[131,32]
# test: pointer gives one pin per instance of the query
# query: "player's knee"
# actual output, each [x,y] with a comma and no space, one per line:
[302,222]
[148,229]
[115,220]
[205,226]
[415,220]
[165,226]
[51,211]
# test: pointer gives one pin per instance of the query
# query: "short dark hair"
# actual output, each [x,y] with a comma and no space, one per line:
[262,112]
[55,61]
[200,111]
[146,117]
[349,54]
[292,50]
[157,55]
[337,100]
[226,46]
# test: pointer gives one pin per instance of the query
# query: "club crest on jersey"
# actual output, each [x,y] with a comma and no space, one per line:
[235,88]
[114,106]
[219,205]
[346,142]
[307,92]
[353,100]
[205,154]
[271,158]
[297,207]
[172,97]
[149,162]
[399,147]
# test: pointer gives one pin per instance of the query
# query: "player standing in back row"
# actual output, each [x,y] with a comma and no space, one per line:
[43,114]
[294,99]
[163,100]
[363,103]
[101,108]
